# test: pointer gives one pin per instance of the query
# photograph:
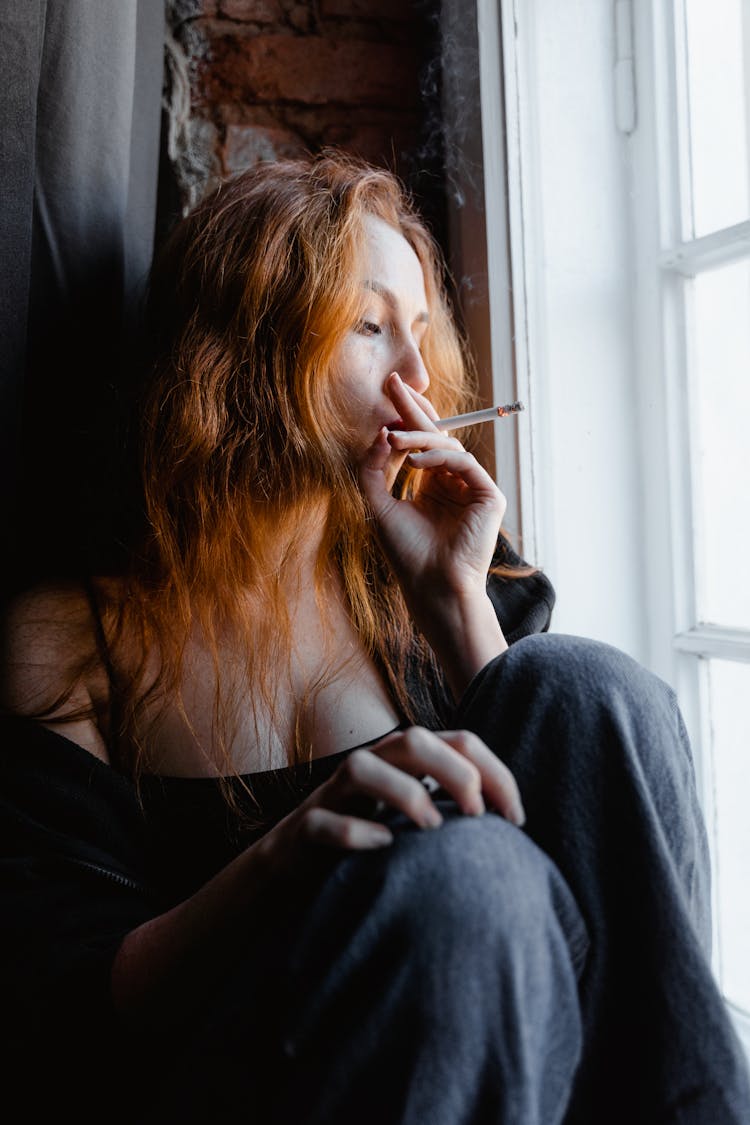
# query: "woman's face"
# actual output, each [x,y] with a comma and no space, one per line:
[388,336]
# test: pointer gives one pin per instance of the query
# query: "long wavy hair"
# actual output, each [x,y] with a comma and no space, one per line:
[250,296]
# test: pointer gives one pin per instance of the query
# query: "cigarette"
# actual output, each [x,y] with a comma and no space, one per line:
[492,413]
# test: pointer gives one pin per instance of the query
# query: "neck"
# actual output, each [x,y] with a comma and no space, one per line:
[293,544]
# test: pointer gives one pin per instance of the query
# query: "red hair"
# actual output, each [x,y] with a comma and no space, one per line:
[249,299]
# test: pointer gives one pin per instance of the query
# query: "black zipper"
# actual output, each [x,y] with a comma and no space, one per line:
[108,873]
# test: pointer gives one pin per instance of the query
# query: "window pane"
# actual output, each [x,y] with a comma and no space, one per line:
[730,728]
[721,398]
[718,36]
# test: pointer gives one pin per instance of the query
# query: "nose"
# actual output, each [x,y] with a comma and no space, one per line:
[412,370]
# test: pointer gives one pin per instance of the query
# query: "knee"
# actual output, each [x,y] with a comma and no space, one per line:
[478,885]
[599,690]
[556,705]
[581,668]
[572,682]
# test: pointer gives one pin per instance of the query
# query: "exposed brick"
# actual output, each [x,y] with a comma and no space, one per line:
[235,113]
[379,135]
[251,11]
[376,143]
[247,145]
[370,31]
[306,119]
[311,70]
[301,17]
[367,9]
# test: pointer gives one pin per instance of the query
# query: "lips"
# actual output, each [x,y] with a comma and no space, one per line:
[394,425]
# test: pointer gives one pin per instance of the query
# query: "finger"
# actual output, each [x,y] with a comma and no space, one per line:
[375,472]
[498,783]
[376,457]
[423,403]
[414,409]
[422,752]
[364,773]
[468,770]
[331,829]
[422,439]
[460,462]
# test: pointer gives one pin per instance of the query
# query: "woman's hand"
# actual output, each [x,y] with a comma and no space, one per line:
[440,544]
[388,774]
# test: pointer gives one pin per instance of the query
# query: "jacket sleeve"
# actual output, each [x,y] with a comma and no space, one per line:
[523,605]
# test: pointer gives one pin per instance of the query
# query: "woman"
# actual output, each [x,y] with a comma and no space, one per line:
[218,763]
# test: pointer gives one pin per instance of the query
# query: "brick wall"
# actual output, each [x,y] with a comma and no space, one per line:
[253,80]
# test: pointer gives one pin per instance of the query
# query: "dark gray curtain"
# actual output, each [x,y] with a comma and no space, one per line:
[80,111]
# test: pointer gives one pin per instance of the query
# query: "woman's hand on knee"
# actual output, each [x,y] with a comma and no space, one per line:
[460,763]
[342,811]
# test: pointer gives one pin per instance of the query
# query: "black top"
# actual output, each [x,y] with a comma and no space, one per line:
[193,832]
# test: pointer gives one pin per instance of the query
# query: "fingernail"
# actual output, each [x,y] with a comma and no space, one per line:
[432,818]
[517,815]
[476,806]
[378,837]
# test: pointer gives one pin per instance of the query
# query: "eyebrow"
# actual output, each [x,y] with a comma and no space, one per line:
[388,297]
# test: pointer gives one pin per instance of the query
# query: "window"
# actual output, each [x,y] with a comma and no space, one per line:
[699,96]
[616,207]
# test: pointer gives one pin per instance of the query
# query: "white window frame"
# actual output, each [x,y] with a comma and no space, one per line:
[648,98]
[681,644]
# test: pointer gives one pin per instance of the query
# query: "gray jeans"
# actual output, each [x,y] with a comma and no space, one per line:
[481,974]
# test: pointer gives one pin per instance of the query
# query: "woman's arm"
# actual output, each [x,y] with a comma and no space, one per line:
[465,635]
[178,950]
[440,544]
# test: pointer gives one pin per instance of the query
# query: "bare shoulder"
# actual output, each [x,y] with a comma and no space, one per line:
[49,665]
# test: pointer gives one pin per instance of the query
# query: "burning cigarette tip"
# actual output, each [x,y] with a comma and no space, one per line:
[510,408]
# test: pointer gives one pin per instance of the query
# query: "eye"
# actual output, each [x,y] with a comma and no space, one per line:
[369,328]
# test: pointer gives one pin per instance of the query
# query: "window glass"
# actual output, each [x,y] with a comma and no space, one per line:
[718,39]
[721,400]
[729,692]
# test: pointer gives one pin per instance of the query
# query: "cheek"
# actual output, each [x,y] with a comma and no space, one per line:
[356,375]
